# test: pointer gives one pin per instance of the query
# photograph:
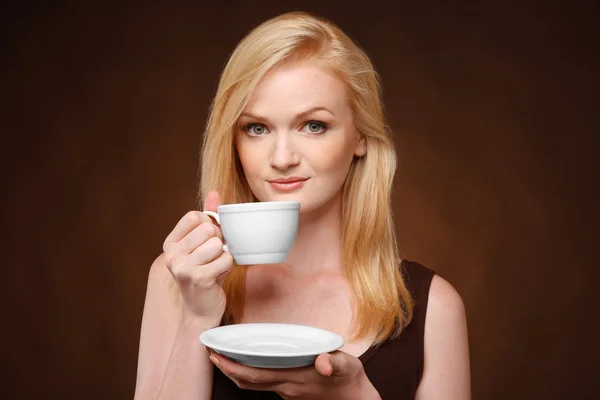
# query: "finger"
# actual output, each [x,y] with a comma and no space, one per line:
[323,365]
[257,377]
[265,387]
[244,384]
[206,275]
[332,364]
[207,252]
[198,236]
[212,201]
[219,267]
[185,225]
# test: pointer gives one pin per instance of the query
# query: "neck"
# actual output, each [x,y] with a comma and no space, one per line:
[318,245]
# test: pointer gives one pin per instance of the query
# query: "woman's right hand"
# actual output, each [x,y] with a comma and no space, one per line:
[194,255]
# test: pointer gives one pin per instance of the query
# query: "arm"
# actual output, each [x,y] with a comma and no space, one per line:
[173,364]
[172,361]
[446,373]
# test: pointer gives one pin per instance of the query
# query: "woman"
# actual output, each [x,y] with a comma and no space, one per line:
[298,116]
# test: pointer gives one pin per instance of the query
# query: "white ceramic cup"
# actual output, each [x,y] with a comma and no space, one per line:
[258,233]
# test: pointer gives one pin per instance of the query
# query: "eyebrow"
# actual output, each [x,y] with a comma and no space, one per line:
[299,115]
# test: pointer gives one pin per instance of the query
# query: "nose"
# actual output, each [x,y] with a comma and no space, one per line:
[283,155]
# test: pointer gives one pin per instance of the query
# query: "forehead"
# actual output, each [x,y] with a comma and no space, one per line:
[295,87]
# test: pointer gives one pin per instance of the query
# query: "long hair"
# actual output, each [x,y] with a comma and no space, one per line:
[379,296]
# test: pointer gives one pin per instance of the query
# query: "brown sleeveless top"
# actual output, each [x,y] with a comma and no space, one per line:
[394,367]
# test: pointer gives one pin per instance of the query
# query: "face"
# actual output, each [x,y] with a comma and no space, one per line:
[296,139]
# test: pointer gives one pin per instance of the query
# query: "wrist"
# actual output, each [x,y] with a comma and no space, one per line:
[197,324]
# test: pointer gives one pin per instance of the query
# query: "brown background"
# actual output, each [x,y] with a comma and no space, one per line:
[492,108]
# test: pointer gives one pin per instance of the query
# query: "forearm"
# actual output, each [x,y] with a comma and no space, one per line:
[189,372]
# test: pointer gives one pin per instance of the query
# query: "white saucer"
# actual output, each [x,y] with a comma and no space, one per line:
[266,345]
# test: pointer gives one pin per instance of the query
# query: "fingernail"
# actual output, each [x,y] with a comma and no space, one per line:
[214,360]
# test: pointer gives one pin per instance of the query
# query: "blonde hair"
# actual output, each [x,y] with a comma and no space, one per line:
[371,260]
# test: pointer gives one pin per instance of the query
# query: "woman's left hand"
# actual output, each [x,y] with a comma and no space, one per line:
[336,375]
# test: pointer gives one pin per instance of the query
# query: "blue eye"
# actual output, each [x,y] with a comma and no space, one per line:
[314,127]
[255,129]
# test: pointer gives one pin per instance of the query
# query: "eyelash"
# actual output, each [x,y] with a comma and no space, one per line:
[246,127]
[323,126]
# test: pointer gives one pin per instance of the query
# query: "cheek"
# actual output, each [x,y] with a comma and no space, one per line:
[247,158]
[333,159]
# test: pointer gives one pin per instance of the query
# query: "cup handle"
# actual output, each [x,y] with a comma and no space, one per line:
[218,219]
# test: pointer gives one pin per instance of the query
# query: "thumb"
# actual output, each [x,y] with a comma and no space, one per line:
[212,201]
[332,364]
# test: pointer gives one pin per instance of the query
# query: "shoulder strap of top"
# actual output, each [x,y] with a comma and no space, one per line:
[417,279]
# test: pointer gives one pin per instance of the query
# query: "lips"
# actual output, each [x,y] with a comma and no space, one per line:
[288,184]
[290,179]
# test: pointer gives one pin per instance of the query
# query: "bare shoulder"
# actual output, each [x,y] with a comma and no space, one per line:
[446,372]
[444,300]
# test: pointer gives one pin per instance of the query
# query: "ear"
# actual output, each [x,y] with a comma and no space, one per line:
[361,147]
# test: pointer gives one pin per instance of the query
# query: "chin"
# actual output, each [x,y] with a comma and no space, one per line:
[283,197]
[271,195]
